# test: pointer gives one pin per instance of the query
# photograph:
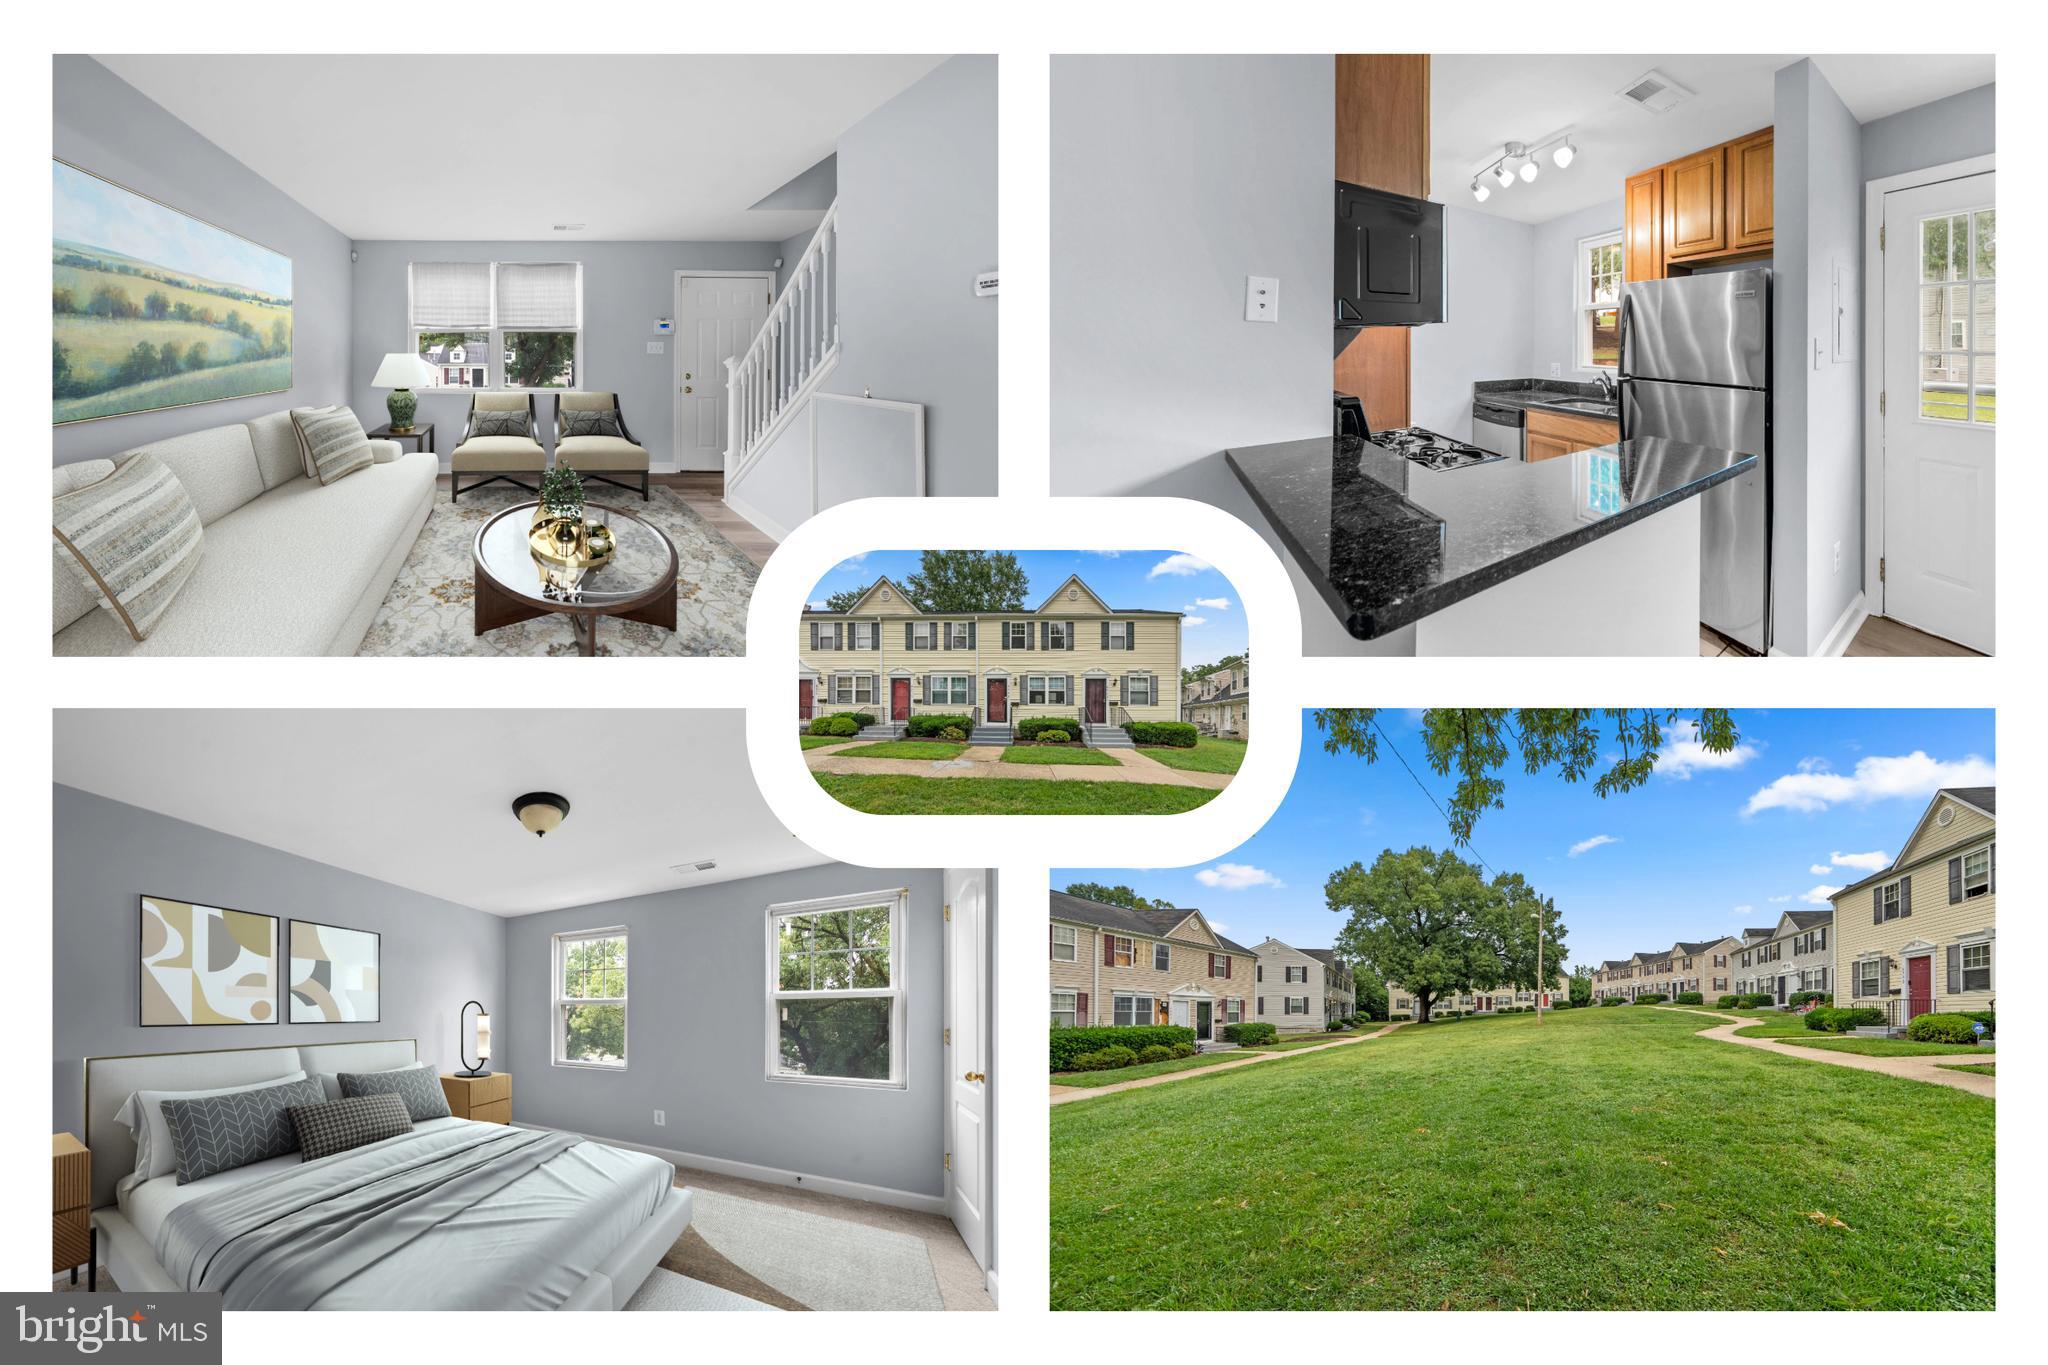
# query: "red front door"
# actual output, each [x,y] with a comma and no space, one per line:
[803,698]
[998,701]
[899,699]
[1919,986]
[1098,700]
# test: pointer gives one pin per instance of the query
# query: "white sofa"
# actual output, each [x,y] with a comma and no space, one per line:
[288,566]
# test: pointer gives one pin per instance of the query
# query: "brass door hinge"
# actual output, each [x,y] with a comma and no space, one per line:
[1880,236]
[1880,568]
[949,1037]
[1880,402]
[949,912]
[949,1161]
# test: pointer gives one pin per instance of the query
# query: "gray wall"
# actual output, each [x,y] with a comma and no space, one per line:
[1817,413]
[696,1036]
[917,223]
[1553,276]
[104,125]
[626,286]
[1931,134]
[1487,332]
[435,955]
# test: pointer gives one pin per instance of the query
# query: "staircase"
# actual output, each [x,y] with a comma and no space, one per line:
[987,733]
[797,346]
[1105,737]
[1201,1046]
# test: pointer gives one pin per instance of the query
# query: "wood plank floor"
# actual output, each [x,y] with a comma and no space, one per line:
[703,492]
[1879,638]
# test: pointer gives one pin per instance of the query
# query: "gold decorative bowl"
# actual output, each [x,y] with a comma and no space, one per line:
[584,547]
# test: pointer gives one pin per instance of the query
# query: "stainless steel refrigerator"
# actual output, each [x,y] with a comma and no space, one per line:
[1695,365]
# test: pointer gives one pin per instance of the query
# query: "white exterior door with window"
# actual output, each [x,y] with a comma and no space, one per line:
[717,317]
[1941,407]
[967,1130]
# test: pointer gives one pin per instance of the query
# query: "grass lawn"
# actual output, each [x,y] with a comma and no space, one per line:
[1287,1044]
[1088,1080]
[1596,1162]
[1208,755]
[1792,1029]
[879,795]
[820,741]
[934,749]
[1057,755]
[1974,1068]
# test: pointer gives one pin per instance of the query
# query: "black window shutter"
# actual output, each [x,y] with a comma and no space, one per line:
[970,634]
[1905,897]
[907,625]
[1045,635]
[1072,630]
[1955,880]
[1105,636]
[1877,905]
[1991,870]
[1130,635]
[814,635]
[1955,969]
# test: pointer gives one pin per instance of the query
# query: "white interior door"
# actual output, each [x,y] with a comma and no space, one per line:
[967,1136]
[1941,407]
[717,317]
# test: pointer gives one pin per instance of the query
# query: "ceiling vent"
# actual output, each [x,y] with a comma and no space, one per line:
[1656,92]
[703,866]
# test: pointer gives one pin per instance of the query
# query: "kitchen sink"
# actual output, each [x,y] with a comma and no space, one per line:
[1596,406]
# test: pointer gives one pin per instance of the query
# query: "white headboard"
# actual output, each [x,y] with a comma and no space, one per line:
[109,1081]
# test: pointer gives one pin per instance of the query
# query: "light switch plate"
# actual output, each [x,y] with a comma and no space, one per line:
[656,347]
[1261,299]
[986,282]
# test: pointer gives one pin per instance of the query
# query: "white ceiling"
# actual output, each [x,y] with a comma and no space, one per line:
[501,148]
[423,799]
[1479,102]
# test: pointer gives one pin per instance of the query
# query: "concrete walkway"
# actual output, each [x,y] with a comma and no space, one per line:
[1067,1094]
[1927,1069]
[986,760]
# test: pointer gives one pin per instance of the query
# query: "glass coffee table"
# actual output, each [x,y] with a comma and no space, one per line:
[513,584]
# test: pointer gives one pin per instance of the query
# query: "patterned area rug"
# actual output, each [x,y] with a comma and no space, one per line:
[794,1261]
[428,610]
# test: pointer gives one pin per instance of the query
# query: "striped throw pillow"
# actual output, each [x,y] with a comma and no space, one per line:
[134,539]
[332,443]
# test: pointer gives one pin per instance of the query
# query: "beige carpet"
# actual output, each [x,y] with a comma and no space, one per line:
[789,1259]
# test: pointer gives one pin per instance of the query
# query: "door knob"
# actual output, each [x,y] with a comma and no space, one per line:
[977,1076]
[688,389]
[688,375]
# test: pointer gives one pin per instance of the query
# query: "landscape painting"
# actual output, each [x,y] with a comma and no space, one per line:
[152,308]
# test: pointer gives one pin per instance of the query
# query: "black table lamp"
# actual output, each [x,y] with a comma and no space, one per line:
[483,1039]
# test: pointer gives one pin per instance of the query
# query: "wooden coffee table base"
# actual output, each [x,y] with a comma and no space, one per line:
[495,607]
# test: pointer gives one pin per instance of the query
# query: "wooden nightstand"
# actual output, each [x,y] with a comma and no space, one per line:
[74,1240]
[487,1099]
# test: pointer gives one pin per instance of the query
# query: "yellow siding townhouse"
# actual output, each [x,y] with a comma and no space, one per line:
[1116,967]
[1074,656]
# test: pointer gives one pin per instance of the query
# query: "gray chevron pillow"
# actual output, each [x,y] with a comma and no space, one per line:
[592,422]
[499,422]
[419,1087]
[220,1132]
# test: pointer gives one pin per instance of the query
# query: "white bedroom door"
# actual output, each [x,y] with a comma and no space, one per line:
[717,316]
[1941,407]
[967,1135]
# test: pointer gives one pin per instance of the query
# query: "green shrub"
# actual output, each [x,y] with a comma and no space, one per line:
[1106,1059]
[1029,729]
[1185,1049]
[1249,1034]
[1828,1019]
[1054,737]
[1155,1052]
[843,727]
[954,733]
[1650,999]
[1983,1017]
[1757,1001]
[935,724]
[1798,998]
[1942,1028]
[1726,1002]
[1173,734]
[1069,1043]
[1334,1026]
[1614,1000]
[1689,998]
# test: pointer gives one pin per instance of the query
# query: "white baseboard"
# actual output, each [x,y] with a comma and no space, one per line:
[754,516]
[1846,625]
[770,1175]
[993,1297]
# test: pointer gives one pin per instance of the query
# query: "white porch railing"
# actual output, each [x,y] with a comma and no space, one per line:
[797,344]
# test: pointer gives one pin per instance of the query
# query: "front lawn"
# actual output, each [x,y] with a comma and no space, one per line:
[1607,1160]
[820,741]
[1974,1068]
[1056,755]
[890,795]
[1088,1080]
[934,749]
[1792,1029]
[1208,755]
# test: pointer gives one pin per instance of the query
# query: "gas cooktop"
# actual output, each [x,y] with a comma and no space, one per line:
[1431,450]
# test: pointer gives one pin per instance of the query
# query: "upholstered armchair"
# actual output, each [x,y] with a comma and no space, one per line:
[492,455]
[591,438]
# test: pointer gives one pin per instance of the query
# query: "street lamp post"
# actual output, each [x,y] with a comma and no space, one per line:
[1539,965]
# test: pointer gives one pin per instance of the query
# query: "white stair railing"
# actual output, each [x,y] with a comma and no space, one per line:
[797,344]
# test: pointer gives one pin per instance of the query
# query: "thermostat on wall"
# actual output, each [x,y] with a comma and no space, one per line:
[663,326]
[985,283]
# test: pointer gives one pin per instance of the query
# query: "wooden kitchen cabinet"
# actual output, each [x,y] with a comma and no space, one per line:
[1696,204]
[1382,142]
[1642,237]
[1751,163]
[1551,434]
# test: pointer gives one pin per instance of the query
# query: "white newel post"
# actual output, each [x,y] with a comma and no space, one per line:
[733,443]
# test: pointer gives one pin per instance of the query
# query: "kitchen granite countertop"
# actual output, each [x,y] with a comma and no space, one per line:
[1388,542]
[1539,393]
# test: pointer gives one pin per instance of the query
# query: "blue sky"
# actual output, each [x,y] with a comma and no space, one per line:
[1154,580]
[96,213]
[1808,800]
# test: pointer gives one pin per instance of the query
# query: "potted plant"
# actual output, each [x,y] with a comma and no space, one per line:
[561,511]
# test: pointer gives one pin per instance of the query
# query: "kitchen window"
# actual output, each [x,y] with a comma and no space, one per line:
[1976,966]
[1869,978]
[590,999]
[1045,690]
[1162,957]
[497,324]
[1131,1011]
[1597,306]
[1233,1010]
[853,689]
[950,689]
[835,989]
[1123,952]
[1063,1007]
[1064,945]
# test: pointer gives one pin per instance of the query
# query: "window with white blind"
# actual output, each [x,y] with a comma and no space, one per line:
[1064,1004]
[498,324]
[1063,943]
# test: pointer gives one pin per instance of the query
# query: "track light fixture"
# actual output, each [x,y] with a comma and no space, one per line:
[1518,159]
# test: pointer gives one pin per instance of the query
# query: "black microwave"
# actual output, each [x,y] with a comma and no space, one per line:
[1390,259]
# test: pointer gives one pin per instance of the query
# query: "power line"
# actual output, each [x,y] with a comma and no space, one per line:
[1426,792]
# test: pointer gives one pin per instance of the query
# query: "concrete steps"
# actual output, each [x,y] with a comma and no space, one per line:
[1106,737]
[992,734]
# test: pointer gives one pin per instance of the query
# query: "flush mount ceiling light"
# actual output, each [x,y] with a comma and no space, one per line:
[541,812]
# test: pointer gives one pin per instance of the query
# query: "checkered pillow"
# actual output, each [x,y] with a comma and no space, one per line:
[325,1129]
[418,1086]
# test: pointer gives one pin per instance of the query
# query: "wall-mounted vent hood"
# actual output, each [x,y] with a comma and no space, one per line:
[1390,259]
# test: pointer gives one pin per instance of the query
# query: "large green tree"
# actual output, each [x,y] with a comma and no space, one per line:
[1115,895]
[968,580]
[540,360]
[1476,743]
[1581,988]
[1507,929]
[843,601]
[1414,917]
[1369,990]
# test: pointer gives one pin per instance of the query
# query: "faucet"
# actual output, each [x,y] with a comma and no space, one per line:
[1607,388]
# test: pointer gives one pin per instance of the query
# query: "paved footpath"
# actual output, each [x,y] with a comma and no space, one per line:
[986,760]
[1067,1094]
[1911,1068]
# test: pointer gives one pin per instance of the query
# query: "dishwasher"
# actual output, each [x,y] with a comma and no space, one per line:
[1497,427]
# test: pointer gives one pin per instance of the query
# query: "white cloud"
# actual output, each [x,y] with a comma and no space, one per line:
[1683,754]
[852,563]
[1877,860]
[1194,620]
[1219,926]
[1179,566]
[1213,603]
[1819,895]
[1588,845]
[1236,877]
[1814,787]
[1743,911]
[1820,869]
